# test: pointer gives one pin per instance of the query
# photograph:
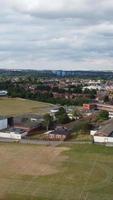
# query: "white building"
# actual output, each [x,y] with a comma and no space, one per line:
[110,115]
[53,112]
[3,92]
[104,134]
[10,133]
[92,87]
[3,123]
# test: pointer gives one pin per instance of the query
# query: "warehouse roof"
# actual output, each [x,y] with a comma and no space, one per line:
[106,130]
[30,120]
[60,131]
[1,117]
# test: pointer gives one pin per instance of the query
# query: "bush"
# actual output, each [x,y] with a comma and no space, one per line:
[103,115]
[82,126]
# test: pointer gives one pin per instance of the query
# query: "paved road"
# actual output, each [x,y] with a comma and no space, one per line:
[43,142]
[7,140]
[52,143]
[77,142]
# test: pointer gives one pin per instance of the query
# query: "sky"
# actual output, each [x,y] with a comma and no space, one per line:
[56,34]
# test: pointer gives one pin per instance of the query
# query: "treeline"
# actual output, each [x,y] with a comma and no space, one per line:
[20,90]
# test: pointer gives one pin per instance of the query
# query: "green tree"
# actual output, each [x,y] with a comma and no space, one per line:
[48,120]
[62,117]
[82,126]
[76,113]
[103,115]
[61,111]
[106,99]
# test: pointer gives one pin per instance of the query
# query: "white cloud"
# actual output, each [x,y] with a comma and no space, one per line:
[48,5]
[67,33]
[63,8]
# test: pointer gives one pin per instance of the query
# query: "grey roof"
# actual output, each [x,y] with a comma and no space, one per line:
[2,117]
[61,131]
[106,130]
[30,120]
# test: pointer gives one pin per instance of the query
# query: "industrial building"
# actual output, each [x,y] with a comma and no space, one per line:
[30,122]
[104,134]
[3,93]
[3,123]
[19,127]
[106,107]
[97,106]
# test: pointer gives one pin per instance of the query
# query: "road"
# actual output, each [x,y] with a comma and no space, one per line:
[43,142]
[51,143]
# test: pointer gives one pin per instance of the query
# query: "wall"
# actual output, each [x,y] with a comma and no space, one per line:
[89,106]
[93,132]
[99,139]
[3,124]
[12,135]
[106,107]
[111,115]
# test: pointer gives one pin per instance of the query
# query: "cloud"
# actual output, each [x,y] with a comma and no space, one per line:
[85,9]
[75,34]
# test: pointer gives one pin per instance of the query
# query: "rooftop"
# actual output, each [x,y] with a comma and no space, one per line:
[106,130]
[60,131]
[2,117]
[30,120]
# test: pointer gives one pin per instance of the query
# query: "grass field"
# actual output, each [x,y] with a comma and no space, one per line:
[18,106]
[81,137]
[79,172]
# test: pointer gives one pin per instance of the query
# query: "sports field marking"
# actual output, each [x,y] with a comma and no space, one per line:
[53,160]
[83,194]
[44,158]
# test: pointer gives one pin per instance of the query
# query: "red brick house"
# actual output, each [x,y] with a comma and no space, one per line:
[59,134]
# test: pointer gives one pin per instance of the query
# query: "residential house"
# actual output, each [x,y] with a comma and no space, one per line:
[59,134]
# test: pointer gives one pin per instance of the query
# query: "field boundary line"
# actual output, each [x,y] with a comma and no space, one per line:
[84,196]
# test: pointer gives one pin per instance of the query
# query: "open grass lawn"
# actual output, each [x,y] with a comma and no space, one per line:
[79,172]
[18,106]
[81,137]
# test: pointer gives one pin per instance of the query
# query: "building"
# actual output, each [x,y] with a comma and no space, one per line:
[88,107]
[53,112]
[104,134]
[106,107]
[98,106]
[18,127]
[3,123]
[111,115]
[92,87]
[59,134]
[29,123]
[10,133]
[3,93]
[15,134]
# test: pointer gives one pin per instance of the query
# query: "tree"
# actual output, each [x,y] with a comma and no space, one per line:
[82,126]
[48,121]
[106,99]
[62,116]
[61,111]
[76,113]
[103,115]
[63,119]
